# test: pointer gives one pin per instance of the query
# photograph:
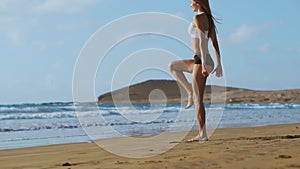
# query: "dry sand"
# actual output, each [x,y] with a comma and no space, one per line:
[256,147]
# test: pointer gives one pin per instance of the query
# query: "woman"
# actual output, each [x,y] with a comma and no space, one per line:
[201,30]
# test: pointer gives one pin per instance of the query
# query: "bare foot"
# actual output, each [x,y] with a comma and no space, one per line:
[190,101]
[197,139]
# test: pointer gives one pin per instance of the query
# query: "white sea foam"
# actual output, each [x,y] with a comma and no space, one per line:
[57,122]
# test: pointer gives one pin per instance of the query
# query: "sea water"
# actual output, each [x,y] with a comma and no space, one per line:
[27,125]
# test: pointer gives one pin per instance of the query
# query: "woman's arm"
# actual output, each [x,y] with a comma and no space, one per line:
[218,70]
[216,47]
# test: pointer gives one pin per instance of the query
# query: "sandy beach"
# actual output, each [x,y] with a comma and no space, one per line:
[254,147]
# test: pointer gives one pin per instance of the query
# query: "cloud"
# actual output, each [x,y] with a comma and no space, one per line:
[245,33]
[39,45]
[265,48]
[63,6]
[298,49]
[15,30]
[19,17]
[10,5]
[17,38]
[34,7]
[75,25]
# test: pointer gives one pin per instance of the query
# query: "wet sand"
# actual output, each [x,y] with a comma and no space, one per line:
[255,147]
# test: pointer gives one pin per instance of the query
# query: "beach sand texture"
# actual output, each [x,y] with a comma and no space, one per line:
[271,147]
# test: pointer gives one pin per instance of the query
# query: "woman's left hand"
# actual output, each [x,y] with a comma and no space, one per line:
[219,71]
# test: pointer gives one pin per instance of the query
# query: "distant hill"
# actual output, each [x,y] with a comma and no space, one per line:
[170,91]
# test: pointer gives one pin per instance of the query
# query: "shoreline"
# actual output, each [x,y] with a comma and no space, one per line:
[137,136]
[274,146]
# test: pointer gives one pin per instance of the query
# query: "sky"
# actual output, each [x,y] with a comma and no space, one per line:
[42,39]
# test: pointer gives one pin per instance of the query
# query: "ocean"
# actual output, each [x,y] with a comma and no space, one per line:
[28,125]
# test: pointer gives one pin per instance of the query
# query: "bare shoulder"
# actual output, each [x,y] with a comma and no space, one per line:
[201,20]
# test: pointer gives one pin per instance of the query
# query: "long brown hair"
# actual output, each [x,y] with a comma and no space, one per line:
[204,4]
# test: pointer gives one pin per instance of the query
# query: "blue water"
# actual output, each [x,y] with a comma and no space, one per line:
[27,125]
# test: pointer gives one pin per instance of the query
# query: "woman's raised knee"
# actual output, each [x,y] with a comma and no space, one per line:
[172,66]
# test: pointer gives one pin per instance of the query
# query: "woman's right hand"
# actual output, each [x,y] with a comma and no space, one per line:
[218,70]
[204,71]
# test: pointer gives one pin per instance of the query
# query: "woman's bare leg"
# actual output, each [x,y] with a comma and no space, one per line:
[198,86]
[177,68]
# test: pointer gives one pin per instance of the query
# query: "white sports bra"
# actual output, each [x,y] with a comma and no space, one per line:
[192,30]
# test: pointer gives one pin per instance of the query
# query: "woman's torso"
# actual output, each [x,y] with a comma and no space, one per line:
[193,32]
